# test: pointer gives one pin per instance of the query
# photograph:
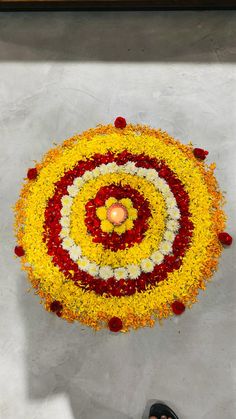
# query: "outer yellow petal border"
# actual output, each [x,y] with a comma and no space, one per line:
[199,263]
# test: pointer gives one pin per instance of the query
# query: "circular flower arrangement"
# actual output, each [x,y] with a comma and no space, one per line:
[120,226]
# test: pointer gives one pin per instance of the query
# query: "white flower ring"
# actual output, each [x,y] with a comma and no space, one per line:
[132,271]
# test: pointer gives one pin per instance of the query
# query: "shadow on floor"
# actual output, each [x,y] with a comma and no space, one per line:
[54,355]
[119,36]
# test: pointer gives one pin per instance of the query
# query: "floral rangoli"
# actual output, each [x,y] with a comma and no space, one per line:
[120,226]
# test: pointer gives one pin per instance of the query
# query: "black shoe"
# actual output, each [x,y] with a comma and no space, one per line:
[158,410]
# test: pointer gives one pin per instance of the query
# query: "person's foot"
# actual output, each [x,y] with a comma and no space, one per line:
[161,411]
[162,417]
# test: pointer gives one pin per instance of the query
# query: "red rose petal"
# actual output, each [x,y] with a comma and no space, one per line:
[178,307]
[32,173]
[115,324]
[56,307]
[120,122]
[19,251]
[225,238]
[199,153]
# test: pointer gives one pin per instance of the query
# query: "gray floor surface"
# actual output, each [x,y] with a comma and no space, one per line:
[61,73]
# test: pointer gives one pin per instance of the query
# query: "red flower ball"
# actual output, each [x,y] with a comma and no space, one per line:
[178,307]
[120,122]
[225,238]
[115,324]
[199,153]
[56,306]
[32,173]
[19,251]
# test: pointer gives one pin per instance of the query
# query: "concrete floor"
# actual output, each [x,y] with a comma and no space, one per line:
[59,74]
